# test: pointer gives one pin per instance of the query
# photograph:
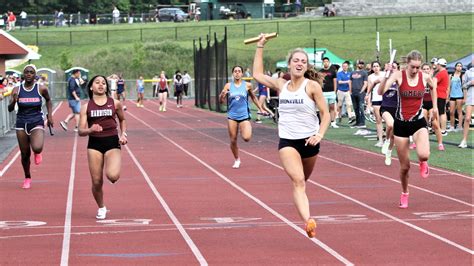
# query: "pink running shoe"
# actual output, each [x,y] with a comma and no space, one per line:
[412,146]
[38,158]
[27,183]
[424,169]
[441,147]
[403,201]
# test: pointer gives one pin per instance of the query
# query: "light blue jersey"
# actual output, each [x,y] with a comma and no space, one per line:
[238,104]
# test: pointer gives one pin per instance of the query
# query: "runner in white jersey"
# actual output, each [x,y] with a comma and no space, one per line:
[299,128]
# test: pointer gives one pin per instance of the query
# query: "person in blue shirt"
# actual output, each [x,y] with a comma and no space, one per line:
[73,97]
[238,110]
[30,119]
[344,91]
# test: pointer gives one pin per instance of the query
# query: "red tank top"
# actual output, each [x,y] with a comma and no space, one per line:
[410,99]
[163,83]
[103,115]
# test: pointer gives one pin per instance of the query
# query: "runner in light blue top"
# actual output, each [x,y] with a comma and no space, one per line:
[238,110]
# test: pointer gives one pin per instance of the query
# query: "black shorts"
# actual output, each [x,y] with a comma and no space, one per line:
[427,105]
[29,127]
[390,110]
[299,145]
[163,91]
[406,129]
[240,120]
[103,144]
[441,106]
[453,99]
[377,103]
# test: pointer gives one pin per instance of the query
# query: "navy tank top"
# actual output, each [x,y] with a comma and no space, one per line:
[29,104]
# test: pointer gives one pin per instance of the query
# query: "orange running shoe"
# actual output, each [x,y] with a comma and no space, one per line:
[311,227]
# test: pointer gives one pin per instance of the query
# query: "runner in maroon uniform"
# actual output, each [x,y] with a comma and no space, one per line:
[409,118]
[98,121]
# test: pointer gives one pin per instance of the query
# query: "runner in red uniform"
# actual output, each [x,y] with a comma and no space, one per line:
[409,118]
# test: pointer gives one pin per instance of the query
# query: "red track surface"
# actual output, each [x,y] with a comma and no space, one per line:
[179,202]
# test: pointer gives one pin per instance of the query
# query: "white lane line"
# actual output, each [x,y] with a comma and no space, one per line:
[344,145]
[179,226]
[447,241]
[18,152]
[335,161]
[259,202]
[67,220]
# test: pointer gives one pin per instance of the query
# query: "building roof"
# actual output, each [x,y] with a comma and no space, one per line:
[11,48]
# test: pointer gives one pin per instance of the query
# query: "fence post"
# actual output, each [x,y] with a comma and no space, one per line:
[445,27]
[314,52]
[107,31]
[278,27]
[411,25]
[426,48]
[209,30]
[244,29]
[70,38]
[310,29]
[37,38]
[176,33]
[141,34]
[343,25]
[376,24]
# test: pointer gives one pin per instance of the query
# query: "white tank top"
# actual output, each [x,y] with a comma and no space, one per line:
[376,97]
[298,119]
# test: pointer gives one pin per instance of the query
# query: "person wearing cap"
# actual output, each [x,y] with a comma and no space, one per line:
[434,65]
[442,90]
[30,119]
[359,87]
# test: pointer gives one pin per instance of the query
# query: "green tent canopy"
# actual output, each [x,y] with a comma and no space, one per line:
[316,58]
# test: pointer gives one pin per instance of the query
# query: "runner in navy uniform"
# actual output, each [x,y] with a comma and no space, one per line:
[29,119]
[98,121]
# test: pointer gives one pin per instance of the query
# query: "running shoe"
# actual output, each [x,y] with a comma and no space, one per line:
[236,164]
[38,158]
[101,213]
[412,146]
[388,158]
[63,125]
[161,108]
[441,147]
[334,125]
[444,133]
[379,144]
[463,144]
[310,227]
[164,109]
[27,183]
[76,129]
[125,108]
[424,169]
[403,201]
[385,146]
[258,121]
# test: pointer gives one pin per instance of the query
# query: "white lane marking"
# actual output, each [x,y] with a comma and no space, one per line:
[18,152]
[258,201]
[179,226]
[445,240]
[67,220]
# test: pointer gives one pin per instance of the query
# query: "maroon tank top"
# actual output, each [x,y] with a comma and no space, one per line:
[103,115]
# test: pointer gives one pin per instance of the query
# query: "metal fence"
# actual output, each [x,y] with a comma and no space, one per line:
[7,119]
[312,27]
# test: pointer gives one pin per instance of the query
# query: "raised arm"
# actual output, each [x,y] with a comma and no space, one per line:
[258,73]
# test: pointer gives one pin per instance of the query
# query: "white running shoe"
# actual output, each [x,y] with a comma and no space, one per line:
[379,144]
[333,125]
[101,213]
[388,158]
[463,145]
[236,164]
[385,146]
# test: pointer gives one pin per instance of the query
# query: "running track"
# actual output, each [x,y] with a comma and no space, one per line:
[179,202]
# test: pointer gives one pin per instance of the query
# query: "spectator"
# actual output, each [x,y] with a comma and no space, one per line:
[60,18]
[326,11]
[442,78]
[23,16]
[456,97]
[186,82]
[332,11]
[329,88]
[73,96]
[359,87]
[115,16]
[374,80]
[11,21]
[298,6]
[344,89]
